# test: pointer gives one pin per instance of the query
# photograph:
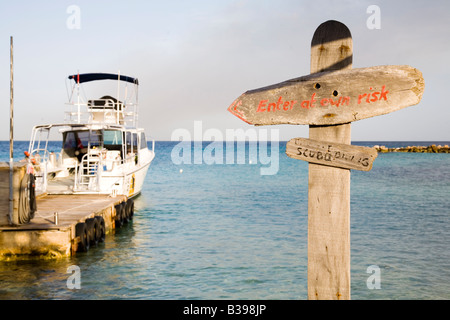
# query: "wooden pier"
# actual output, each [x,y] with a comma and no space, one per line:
[64,225]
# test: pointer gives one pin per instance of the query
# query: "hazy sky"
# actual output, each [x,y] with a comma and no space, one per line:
[194,58]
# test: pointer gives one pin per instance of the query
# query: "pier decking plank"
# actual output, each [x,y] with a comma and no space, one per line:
[70,208]
[42,237]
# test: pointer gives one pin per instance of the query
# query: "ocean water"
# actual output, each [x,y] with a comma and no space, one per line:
[224,231]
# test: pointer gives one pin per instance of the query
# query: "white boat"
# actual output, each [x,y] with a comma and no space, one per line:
[99,149]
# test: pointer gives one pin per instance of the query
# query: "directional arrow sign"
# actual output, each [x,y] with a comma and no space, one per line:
[332,154]
[332,97]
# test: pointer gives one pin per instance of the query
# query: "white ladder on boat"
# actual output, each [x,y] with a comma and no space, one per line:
[88,173]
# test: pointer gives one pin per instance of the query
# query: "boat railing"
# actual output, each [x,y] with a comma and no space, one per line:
[105,110]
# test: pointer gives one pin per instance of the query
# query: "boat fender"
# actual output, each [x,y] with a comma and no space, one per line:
[93,230]
[130,208]
[126,217]
[82,232]
[119,215]
[101,229]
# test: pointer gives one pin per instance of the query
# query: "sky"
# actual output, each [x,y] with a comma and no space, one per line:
[194,58]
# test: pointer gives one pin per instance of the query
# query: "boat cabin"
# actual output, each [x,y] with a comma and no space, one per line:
[98,149]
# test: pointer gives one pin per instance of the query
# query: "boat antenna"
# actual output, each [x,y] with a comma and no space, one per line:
[78,95]
[118,98]
[118,85]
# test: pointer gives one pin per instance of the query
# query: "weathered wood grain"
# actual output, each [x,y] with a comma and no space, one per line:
[332,154]
[328,100]
[329,187]
[332,97]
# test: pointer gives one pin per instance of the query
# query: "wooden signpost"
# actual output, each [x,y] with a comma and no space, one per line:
[328,100]
[332,97]
[332,154]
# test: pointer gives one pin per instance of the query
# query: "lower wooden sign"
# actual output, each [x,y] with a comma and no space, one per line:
[332,154]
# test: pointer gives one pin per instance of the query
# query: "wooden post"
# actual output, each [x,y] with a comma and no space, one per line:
[329,187]
[328,100]
[11,136]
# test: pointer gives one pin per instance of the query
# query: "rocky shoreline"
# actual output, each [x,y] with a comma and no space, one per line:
[416,149]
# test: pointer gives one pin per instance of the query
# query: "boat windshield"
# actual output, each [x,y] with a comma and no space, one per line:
[76,143]
[82,139]
[112,138]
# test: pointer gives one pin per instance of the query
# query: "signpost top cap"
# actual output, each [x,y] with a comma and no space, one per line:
[329,31]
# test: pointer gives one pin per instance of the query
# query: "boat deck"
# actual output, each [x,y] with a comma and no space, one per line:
[61,185]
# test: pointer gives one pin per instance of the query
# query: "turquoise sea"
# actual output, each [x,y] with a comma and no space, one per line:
[224,231]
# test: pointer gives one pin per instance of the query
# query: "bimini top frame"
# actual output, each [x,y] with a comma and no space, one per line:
[106,109]
[86,77]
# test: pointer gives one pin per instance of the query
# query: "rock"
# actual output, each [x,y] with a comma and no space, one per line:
[416,149]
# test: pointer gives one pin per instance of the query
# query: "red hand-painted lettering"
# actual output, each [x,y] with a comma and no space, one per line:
[275,106]
[281,105]
[261,106]
[375,95]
